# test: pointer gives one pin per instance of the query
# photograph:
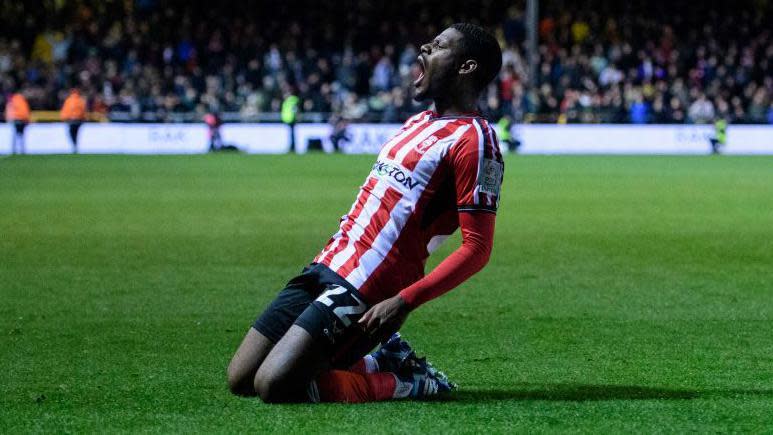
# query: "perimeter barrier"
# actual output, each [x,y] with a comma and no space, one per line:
[274,138]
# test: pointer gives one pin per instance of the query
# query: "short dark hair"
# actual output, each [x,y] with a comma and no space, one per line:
[480,45]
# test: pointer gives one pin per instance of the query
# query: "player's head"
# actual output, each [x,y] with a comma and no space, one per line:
[464,57]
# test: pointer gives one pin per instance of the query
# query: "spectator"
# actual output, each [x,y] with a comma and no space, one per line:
[610,75]
[214,122]
[382,75]
[770,113]
[73,113]
[659,114]
[290,108]
[701,111]
[17,111]
[758,106]
[719,140]
[504,129]
[340,136]
[639,110]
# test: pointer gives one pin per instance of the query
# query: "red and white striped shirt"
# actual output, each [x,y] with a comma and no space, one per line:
[430,170]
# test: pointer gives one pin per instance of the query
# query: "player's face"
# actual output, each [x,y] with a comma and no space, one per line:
[439,66]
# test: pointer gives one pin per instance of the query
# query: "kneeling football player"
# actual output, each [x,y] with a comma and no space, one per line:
[441,171]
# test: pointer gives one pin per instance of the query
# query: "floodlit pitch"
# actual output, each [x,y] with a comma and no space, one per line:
[625,294]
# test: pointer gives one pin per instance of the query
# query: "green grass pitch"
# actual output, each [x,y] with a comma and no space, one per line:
[624,294]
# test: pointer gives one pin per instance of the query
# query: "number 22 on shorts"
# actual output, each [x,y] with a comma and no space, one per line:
[342,311]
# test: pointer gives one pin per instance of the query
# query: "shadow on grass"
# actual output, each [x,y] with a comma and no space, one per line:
[582,393]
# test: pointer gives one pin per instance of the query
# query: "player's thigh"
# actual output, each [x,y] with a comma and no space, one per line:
[290,366]
[283,311]
[355,345]
[244,364]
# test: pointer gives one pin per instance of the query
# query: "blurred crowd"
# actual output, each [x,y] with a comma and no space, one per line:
[598,61]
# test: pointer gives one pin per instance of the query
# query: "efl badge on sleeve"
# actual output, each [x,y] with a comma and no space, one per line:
[491,177]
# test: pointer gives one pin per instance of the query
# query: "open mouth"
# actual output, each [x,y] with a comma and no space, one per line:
[422,68]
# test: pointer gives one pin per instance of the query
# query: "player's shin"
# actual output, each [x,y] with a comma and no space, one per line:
[350,387]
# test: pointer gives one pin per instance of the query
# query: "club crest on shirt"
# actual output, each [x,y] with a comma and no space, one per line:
[426,144]
[490,179]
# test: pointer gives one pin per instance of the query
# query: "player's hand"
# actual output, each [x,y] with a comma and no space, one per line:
[386,317]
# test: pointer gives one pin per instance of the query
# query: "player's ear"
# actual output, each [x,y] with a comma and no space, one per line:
[468,66]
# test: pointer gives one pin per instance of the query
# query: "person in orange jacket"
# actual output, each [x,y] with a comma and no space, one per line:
[17,110]
[74,113]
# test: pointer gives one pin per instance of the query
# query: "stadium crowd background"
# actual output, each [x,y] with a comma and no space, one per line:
[599,61]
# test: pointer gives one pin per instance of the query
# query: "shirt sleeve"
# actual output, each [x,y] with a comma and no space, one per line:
[465,261]
[478,169]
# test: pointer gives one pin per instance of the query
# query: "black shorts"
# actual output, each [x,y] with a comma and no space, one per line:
[326,306]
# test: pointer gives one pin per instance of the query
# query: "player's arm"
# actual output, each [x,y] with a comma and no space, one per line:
[477,239]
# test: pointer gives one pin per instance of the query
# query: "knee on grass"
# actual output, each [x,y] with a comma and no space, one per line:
[240,382]
[271,388]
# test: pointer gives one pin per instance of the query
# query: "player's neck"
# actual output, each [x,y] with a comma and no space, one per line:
[454,107]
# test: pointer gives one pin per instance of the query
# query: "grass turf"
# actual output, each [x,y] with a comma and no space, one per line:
[624,294]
